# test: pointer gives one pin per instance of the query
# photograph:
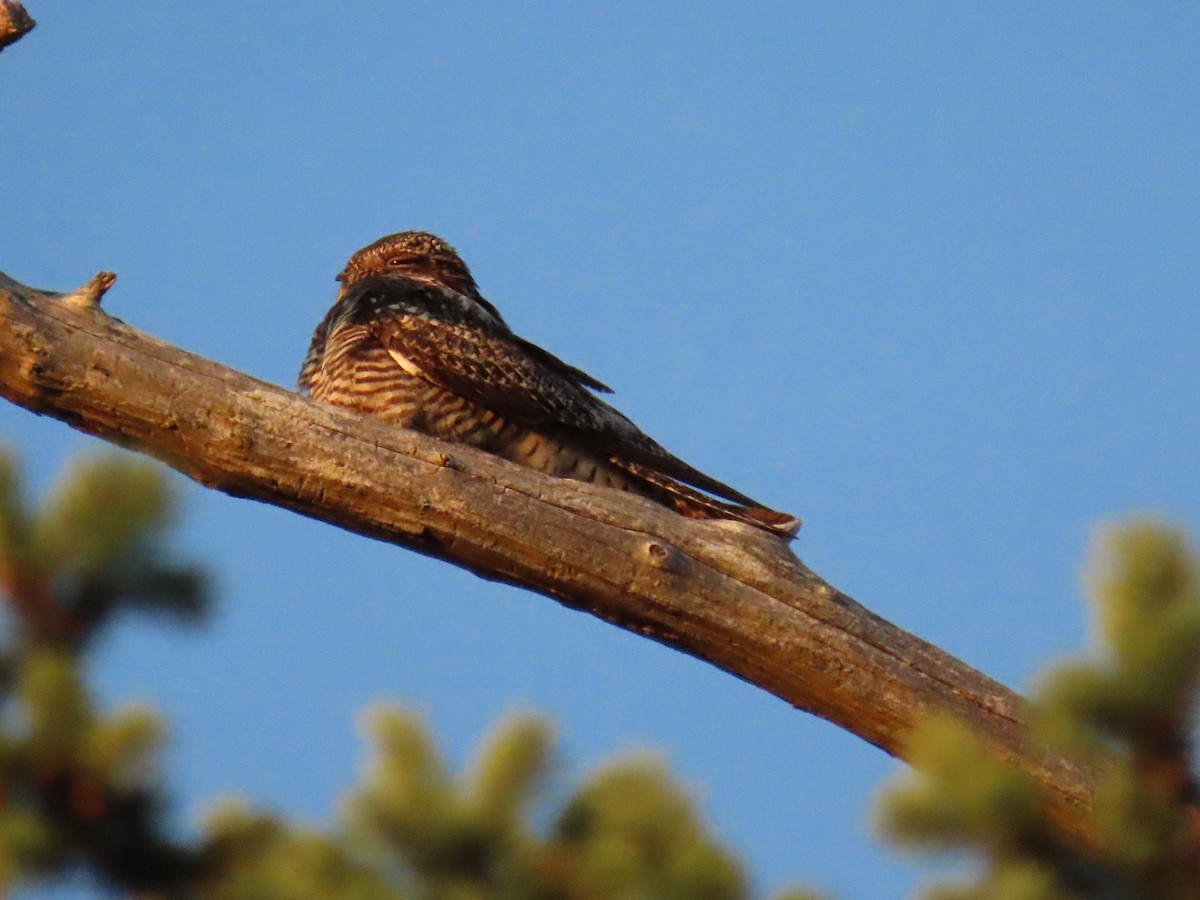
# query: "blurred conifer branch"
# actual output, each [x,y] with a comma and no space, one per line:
[413,828]
[80,789]
[1134,705]
[79,785]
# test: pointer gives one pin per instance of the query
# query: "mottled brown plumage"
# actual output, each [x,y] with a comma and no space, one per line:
[410,339]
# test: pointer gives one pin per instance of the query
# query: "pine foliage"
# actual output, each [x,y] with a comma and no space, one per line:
[1127,712]
[81,791]
[78,783]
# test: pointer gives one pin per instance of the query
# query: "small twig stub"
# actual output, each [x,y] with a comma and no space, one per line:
[88,296]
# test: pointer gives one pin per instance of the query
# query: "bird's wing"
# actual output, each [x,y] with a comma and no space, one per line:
[490,368]
[499,371]
[565,368]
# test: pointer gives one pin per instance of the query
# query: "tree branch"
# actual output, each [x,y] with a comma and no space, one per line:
[722,592]
[15,22]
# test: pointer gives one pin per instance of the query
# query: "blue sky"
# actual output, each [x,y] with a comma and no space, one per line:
[924,274]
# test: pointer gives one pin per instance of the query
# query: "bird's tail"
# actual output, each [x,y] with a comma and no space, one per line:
[696,505]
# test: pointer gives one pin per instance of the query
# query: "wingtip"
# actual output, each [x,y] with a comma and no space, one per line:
[783,524]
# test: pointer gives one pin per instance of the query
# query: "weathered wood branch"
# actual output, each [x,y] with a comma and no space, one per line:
[721,592]
[15,22]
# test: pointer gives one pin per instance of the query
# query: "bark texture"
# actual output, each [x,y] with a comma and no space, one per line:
[722,592]
[15,22]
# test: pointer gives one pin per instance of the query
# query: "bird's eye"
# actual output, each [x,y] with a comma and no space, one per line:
[397,261]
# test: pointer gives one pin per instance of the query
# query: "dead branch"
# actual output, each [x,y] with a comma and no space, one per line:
[15,22]
[721,592]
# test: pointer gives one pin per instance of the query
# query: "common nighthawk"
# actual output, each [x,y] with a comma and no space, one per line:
[410,339]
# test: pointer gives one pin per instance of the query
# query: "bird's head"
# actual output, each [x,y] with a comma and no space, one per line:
[418,255]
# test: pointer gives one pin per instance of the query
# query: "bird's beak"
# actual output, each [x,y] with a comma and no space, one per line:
[341,276]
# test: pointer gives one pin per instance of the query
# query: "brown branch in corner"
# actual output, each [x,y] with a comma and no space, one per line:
[724,593]
[15,22]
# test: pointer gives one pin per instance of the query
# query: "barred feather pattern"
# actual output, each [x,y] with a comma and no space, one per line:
[409,348]
[354,370]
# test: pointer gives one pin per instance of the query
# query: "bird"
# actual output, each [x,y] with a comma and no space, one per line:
[411,340]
